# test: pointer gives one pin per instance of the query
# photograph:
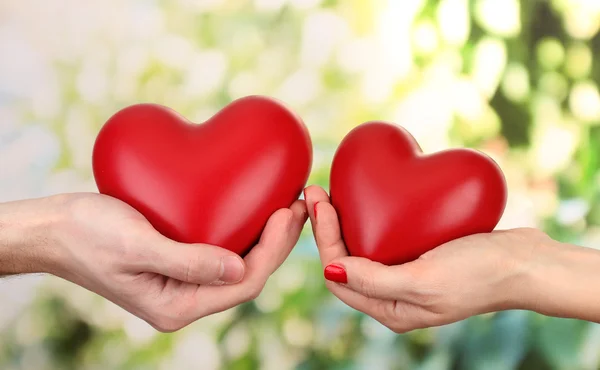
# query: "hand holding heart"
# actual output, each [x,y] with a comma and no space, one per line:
[106,246]
[395,203]
[217,182]
[473,275]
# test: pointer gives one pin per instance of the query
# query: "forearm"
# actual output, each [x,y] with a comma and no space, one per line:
[564,281]
[26,235]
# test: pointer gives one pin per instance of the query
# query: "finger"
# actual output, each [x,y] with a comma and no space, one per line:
[397,315]
[277,241]
[376,308]
[327,233]
[314,194]
[369,278]
[195,263]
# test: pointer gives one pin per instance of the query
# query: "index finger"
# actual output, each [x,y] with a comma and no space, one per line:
[326,225]
[277,241]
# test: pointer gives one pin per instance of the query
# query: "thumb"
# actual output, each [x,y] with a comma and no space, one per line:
[368,278]
[197,263]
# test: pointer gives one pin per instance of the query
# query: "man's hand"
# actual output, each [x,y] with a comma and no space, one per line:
[106,246]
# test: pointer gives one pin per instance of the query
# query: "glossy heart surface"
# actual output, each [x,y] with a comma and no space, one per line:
[217,182]
[396,203]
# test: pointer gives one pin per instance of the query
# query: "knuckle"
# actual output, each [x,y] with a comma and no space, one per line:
[79,205]
[390,315]
[427,296]
[397,328]
[202,270]
[168,322]
[167,326]
[129,255]
[437,319]
[253,292]
[130,250]
[430,299]
[191,269]
[395,318]
[366,286]
[530,233]
[424,292]
[401,319]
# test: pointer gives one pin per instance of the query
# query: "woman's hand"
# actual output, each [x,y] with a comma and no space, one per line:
[515,269]
[106,246]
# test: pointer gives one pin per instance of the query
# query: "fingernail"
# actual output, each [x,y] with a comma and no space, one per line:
[304,192]
[336,274]
[315,210]
[233,269]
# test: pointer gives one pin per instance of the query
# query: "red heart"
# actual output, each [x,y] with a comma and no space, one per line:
[395,203]
[216,182]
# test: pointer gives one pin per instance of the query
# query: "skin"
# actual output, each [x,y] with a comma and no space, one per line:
[513,269]
[107,247]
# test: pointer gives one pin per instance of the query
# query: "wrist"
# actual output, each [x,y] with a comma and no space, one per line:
[562,280]
[28,242]
[523,270]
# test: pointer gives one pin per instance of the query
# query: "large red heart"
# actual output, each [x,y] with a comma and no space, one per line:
[395,203]
[216,182]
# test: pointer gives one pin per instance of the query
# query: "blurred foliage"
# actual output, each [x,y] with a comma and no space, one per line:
[515,79]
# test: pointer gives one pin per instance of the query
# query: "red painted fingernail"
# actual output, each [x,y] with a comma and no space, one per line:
[336,274]
[316,210]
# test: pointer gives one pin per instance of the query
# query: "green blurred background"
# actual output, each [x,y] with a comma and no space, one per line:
[515,79]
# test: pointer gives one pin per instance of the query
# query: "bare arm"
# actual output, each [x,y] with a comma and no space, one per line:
[563,281]
[107,247]
[27,243]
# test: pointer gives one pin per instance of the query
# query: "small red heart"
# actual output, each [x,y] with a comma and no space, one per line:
[395,203]
[217,182]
